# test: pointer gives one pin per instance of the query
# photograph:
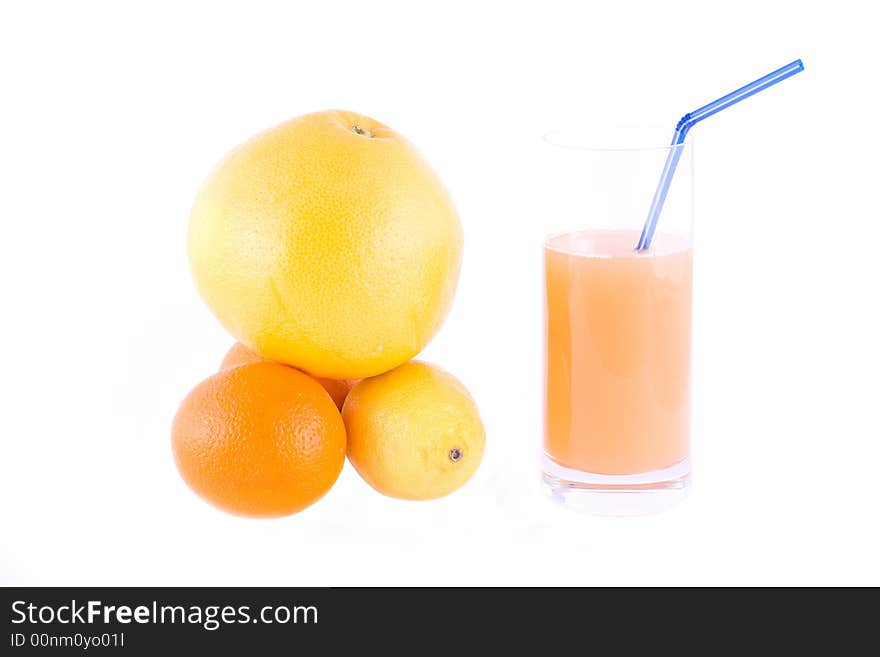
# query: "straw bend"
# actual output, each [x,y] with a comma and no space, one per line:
[686,123]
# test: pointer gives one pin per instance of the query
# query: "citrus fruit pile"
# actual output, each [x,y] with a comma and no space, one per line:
[330,251]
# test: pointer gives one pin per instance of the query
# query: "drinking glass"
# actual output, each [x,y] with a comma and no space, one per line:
[617,413]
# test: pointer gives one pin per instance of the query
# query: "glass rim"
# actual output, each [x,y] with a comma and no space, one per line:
[579,140]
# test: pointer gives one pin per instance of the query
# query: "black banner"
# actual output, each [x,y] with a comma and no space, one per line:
[412,621]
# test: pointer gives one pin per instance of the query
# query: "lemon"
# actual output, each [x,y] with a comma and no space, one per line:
[414,432]
[327,243]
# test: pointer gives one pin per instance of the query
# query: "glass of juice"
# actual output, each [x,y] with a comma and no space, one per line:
[617,413]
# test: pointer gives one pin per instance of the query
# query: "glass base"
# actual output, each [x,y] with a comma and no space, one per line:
[617,495]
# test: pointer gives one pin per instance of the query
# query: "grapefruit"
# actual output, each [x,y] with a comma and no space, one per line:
[327,243]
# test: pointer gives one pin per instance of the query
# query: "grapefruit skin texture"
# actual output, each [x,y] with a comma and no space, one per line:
[261,440]
[327,243]
[239,355]
[404,427]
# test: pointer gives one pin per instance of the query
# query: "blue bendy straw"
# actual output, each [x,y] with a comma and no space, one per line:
[685,124]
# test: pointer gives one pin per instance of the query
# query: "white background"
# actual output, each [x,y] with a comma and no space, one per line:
[110,116]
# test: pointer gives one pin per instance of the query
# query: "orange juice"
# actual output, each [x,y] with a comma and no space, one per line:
[618,338]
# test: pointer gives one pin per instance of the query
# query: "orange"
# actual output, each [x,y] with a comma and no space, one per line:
[259,440]
[327,243]
[414,432]
[239,355]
